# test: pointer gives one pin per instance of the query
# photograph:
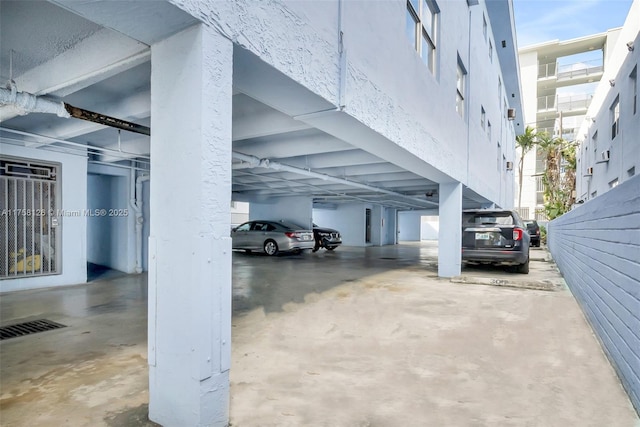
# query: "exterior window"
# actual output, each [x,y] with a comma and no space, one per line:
[613,183]
[483,117]
[484,27]
[631,172]
[412,23]
[615,118]
[461,84]
[499,89]
[489,129]
[490,51]
[634,89]
[421,23]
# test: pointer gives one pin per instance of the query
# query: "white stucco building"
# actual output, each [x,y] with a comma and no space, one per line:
[559,79]
[307,110]
[609,153]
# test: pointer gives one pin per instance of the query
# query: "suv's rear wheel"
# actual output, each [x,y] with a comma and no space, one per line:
[522,268]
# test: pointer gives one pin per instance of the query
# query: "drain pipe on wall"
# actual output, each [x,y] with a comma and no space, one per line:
[136,204]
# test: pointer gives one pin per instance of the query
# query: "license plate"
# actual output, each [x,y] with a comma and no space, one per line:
[306,237]
[483,236]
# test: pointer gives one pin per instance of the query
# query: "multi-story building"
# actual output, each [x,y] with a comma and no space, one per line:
[609,137]
[359,109]
[558,83]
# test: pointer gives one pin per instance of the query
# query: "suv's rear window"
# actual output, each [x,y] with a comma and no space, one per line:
[498,218]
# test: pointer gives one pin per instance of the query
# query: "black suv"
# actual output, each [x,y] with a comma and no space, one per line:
[495,237]
[534,231]
[327,238]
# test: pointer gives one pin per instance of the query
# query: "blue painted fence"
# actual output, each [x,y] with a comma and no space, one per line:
[597,248]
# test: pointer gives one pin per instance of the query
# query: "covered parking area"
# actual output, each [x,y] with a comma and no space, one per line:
[201,121]
[352,337]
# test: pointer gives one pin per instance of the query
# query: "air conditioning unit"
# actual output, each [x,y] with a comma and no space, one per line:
[589,172]
[511,113]
[509,166]
[605,155]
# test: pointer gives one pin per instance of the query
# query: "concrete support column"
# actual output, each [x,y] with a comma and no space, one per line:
[189,243]
[450,233]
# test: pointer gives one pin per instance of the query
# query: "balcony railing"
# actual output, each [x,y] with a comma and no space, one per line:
[574,102]
[564,103]
[570,71]
[580,69]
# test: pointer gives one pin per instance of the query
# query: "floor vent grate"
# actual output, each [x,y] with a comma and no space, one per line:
[28,328]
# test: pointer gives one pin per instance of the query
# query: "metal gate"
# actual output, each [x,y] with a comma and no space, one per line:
[29,194]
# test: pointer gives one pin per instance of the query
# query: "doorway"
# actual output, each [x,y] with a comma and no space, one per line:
[367,229]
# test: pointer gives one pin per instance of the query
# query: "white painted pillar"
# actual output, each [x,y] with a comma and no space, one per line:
[450,233]
[189,243]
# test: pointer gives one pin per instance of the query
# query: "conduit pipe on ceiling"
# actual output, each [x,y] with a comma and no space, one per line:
[28,103]
[116,153]
[270,164]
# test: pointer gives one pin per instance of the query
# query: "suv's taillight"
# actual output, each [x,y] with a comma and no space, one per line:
[517,233]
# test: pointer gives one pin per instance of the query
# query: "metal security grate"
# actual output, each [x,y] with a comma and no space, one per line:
[28,328]
[29,194]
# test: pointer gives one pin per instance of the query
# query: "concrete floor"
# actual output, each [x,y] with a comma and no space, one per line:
[355,337]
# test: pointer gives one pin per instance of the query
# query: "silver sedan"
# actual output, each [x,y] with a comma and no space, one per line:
[271,237]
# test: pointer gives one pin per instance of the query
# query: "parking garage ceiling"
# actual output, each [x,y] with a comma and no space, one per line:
[51,51]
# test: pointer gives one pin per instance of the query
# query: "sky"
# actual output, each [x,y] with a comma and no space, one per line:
[540,21]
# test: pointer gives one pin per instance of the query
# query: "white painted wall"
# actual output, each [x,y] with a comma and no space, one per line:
[295,209]
[624,149]
[529,76]
[389,227]
[429,227]
[73,230]
[410,225]
[300,39]
[348,219]
[111,239]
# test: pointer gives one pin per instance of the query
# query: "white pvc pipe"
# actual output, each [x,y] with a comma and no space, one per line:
[29,103]
[136,204]
[139,157]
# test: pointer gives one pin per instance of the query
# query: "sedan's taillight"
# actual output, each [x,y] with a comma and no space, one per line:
[517,233]
[291,234]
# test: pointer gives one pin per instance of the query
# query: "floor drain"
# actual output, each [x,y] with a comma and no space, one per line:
[28,328]
[389,258]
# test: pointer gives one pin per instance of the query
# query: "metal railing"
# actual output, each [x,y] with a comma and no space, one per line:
[574,102]
[580,69]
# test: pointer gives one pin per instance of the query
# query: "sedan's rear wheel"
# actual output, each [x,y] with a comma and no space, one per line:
[270,247]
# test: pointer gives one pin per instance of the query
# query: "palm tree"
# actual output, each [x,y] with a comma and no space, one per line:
[525,143]
[558,185]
